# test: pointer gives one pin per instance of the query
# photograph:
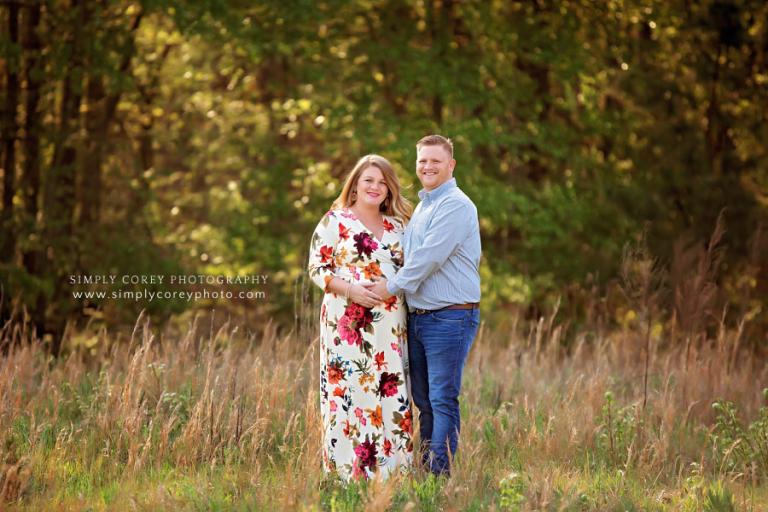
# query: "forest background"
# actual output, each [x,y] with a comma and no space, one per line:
[208,137]
[617,152]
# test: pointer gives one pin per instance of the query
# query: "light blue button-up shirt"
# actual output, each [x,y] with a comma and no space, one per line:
[442,251]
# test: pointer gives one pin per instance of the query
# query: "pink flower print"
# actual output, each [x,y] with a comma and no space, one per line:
[358,472]
[366,453]
[360,416]
[347,332]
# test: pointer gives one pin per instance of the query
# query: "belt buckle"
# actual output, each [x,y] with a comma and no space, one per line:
[420,311]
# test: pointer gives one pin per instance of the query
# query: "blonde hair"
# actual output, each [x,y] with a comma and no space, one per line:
[395,205]
[436,140]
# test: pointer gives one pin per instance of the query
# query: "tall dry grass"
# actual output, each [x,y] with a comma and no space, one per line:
[209,402]
[215,419]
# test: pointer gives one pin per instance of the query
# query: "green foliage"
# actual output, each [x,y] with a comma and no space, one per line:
[232,124]
[18,442]
[512,492]
[706,496]
[429,492]
[616,432]
[337,497]
[718,499]
[179,402]
[738,448]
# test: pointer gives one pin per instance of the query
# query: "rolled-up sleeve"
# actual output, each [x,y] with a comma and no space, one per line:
[450,226]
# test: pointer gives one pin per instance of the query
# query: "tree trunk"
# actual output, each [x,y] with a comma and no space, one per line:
[715,132]
[60,189]
[30,175]
[96,125]
[8,240]
[101,112]
[8,229]
[441,31]
[59,207]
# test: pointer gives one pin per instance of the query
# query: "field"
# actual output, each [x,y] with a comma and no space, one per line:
[153,152]
[214,420]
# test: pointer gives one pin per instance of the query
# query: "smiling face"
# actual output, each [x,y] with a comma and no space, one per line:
[434,166]
[372,187]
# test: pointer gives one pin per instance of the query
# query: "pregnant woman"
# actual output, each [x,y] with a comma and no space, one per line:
[364,400]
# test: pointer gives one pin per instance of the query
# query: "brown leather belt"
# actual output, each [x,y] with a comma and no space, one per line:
[469,305]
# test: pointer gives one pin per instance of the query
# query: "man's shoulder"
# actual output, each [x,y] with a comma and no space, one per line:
[457,197]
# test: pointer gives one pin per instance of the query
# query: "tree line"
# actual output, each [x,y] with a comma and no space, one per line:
[162,136]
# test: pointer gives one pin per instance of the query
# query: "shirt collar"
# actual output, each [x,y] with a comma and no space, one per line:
[438,192]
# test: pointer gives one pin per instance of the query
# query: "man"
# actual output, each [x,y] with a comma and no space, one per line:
[441,282]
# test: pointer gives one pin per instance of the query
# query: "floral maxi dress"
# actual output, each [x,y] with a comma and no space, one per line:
[364,401]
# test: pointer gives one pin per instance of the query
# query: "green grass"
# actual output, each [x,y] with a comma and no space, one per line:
[237,428]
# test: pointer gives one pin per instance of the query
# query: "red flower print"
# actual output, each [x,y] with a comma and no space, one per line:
[387,446]
[388,384]
[367,319]
[343,232]
[364,244]
[366,453]
[405,423]
[340,392]
[379,360]
[335,373]
[354,311]
[326,254]
[390,304]
[333,406]
[357,317]
[388,226]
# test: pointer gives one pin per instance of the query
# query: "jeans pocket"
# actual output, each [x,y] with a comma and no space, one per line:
[450,315]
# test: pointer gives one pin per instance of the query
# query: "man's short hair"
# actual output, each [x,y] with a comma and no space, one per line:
[436,140]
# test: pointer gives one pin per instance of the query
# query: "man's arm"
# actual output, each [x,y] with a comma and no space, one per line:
[449,227]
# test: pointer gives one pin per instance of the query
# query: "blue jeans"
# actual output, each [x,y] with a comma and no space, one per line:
[438,344]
